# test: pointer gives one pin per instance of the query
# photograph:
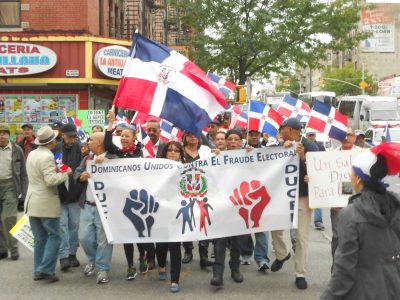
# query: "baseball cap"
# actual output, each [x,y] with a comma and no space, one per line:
[4,127]
[359,132]
[57,125]
[292,123]
[234,131]
[69,129]
[216,122]
[27,125]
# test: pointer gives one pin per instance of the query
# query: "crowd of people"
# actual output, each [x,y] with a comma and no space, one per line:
[63,213]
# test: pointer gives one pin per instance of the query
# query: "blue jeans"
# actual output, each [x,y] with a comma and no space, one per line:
[317,215]
[261,248]
[69,224]
[93,238]
[46,234]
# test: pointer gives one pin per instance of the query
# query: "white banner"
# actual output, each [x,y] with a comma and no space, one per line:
[159,200]
[329,174]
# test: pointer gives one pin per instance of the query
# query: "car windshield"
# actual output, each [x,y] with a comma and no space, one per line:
[394,134]
[384,115]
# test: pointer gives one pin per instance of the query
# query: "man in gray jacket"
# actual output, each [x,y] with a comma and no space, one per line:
[13,186]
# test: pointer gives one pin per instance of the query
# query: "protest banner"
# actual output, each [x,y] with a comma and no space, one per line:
[23,233]
[234,193]
[90,118]
[329,174]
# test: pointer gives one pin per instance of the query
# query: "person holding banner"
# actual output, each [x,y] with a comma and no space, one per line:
[290,131]
[367,258]
[42,204]
[174,151]
[234,142]
[130,148]
[91,232]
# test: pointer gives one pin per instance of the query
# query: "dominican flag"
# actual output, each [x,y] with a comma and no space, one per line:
[241,121]
[386,133]
[291,107]
[324,118]
[142,118]
[148,151]
[225,86]
[161,82]
[169,132]
[121,118]
[263,118]
[83,136]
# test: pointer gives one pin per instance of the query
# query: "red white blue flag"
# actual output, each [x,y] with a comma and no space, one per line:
[169,132]
[161,82]
[225,86]
[291,107]
[263,118]
[146,142]
[326,119]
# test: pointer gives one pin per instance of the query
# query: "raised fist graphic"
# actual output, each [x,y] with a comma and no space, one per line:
[252,198]
[139,209]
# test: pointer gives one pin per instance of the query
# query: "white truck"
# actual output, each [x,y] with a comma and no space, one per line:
[366,111]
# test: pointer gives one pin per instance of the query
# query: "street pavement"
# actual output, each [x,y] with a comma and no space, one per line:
[16,278]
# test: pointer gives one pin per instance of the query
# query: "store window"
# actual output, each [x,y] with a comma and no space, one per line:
[10,13]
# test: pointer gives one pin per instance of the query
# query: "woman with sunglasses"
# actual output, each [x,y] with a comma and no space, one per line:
[174,151]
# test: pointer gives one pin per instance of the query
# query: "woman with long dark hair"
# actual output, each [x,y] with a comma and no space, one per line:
[367,259]
[174,151]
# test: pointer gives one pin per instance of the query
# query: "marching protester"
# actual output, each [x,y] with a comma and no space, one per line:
[42,204]
[173,151]
[56,125]
[69,194]
[28,142]
[91,232]
[194,150]
[290,131]
[220,141]
[130,148]
[213,128]
[260,248]
[13,187]
[153,130]
[234,141]
[367,258]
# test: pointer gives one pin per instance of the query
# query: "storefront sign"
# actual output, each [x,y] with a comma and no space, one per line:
[20,59]
[110,61]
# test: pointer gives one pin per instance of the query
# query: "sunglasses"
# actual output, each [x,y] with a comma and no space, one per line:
[173,150]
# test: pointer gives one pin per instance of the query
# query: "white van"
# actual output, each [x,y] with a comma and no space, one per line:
[365,111]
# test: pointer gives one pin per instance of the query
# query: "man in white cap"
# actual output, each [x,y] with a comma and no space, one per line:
[42,204]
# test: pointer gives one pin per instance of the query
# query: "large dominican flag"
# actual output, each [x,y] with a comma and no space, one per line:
[169,132]
[291,107]
[326,119]
[263,118]
[161,82]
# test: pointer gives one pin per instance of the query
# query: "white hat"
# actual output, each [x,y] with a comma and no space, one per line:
[310,131]
[45,135]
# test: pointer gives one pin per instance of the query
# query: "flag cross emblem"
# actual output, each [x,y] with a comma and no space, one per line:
[166,74]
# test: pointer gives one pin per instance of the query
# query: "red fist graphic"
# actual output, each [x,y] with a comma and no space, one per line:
[252,199]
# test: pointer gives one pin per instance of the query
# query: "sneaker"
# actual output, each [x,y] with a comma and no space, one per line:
[262,267]
[89,269]
[162,274]
[73,261]
[187,258]
[143,266]
[103,277]
[278,264]
[131,273]
[174,288]
[245,260]
[64,264]
[301,283]
[319,226]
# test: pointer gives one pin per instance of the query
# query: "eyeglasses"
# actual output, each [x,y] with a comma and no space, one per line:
[173,150]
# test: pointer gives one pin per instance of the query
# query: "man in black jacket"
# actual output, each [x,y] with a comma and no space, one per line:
[69,193]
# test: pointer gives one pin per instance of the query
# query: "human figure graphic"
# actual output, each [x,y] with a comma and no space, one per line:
[185,215]
[192,219]
[203,206]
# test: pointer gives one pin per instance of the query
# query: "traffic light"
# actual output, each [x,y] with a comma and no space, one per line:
[241,95]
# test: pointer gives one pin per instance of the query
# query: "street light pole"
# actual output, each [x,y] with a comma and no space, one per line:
[345,82]
[362,90]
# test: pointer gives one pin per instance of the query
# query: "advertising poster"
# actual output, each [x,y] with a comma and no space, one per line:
[2,114]
[13,109]
[31,112]
[67,106]
[49,107]
[90,118]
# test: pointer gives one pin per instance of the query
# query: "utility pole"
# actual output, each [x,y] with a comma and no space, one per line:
[362,77]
